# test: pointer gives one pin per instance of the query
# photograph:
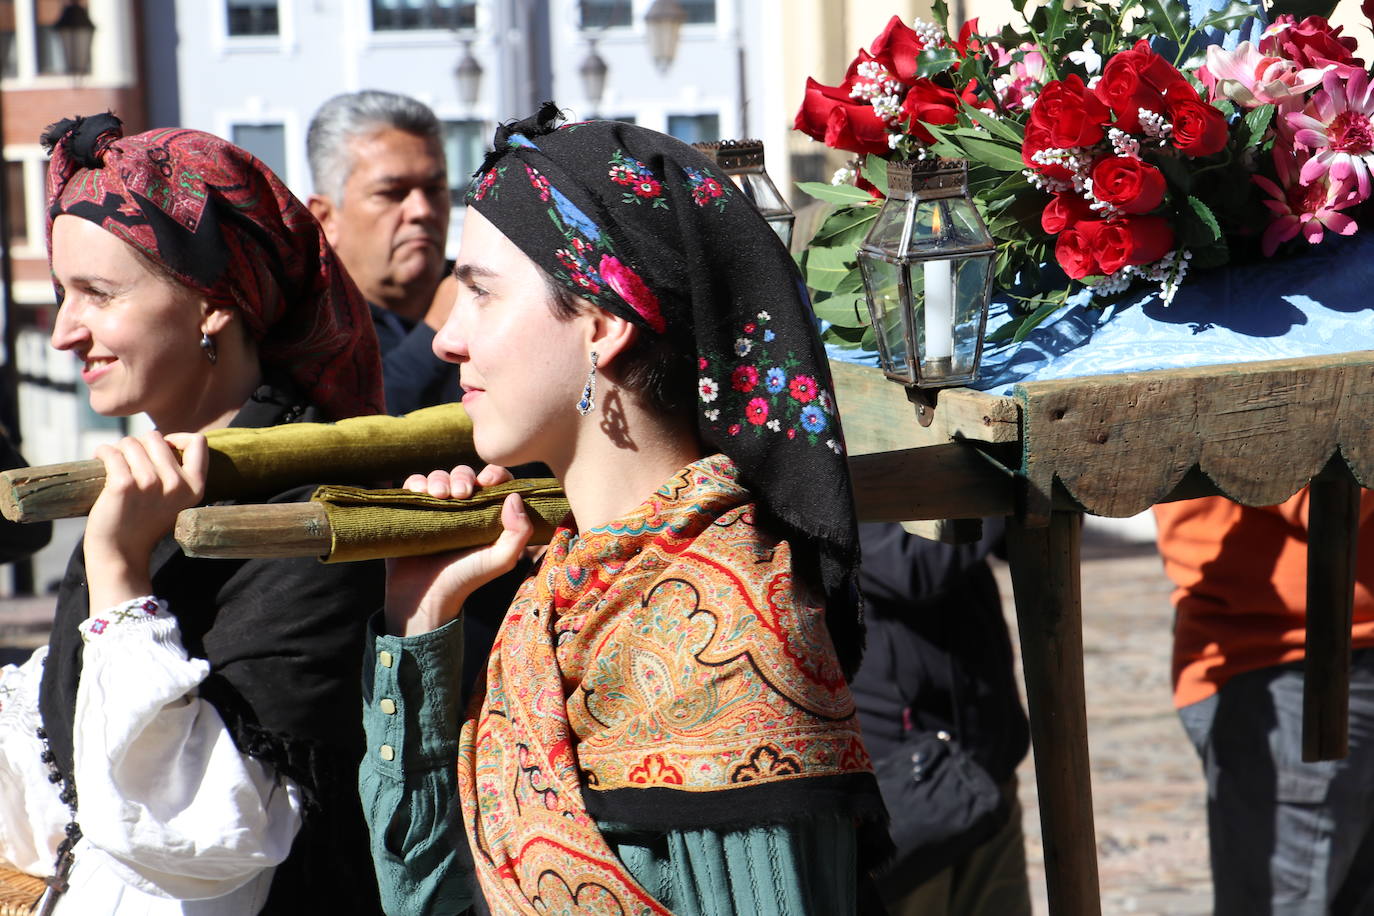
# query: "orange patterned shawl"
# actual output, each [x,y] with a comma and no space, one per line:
[664,671]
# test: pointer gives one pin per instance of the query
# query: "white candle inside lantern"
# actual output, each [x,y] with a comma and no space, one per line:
[939,302]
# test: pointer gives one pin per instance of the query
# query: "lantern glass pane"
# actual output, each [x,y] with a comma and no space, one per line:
[882,280]
[959,359]
[889,231]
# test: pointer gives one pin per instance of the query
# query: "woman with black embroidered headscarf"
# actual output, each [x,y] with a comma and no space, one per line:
[664,724]
[187,742]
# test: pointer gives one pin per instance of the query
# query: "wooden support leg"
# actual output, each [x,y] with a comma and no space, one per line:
[1332,528]
[1045,576]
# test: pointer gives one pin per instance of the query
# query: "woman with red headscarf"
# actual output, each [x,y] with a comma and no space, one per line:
[186,741]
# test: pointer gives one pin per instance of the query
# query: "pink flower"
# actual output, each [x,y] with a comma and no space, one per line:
[757,411]
[1338,127]
[1251,79]
[633,290]
[744,378]
[1310,209]
[1314,42]
[1017,88]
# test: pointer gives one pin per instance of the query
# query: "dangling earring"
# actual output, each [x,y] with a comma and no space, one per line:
[207,346]
[586,403]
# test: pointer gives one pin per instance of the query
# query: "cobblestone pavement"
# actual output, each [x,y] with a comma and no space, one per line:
[1148,791]
[1147,786]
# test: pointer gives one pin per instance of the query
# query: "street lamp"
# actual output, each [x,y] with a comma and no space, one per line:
[75,31]
[927,270]
[593,72]
[664,20]
[468,75]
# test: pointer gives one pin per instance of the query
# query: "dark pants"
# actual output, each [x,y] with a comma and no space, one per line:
[1287,837]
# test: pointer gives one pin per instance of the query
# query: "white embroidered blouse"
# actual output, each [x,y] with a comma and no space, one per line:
[175,820]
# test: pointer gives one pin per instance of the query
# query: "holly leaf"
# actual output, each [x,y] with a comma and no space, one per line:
[827,267]
[847,311]
[939,11]
[1257,121]
[1229,17]
[1169,18]
[834,193]
[935,60]
[875,172]
[1205,214]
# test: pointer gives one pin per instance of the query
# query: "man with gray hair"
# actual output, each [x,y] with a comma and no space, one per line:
[381,193]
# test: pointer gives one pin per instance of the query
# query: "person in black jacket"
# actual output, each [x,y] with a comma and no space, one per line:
[938,658]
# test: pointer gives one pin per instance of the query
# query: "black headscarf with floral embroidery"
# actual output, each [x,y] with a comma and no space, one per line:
[648,228]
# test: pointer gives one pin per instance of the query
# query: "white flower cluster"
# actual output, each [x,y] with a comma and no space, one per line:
[843,175]
[1044,182]
[1123,144]
[1169,272]
[930,33]
[1154,124]
[1101,207]
[879,88]
[1077,159]
[1114,283]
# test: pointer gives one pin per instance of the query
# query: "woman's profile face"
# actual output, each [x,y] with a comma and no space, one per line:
[522,369]
[136,332]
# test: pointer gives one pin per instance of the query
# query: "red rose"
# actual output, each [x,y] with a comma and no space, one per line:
[1075,249]
[828,114]
[1136,240]
[1038,138]
[1136,79]
[897,48]
[1313,43]
[1072,115]
[1199,129]
[931,104]
[1128,184]
[1064,211]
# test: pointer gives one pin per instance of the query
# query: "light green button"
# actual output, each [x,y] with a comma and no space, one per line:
[388,752]
[385,658]
[388,706]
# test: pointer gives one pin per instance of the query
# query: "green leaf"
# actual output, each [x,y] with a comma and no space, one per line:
[875,170]
[1169,18]
[827,267]
[1258,121]
[1205,214]
[833,193]
[1057,20]
[939,11]
[1301,9]
[1036,317]
[1231,17]
[853,283]
[993,154]
[1176,172]
[987,122]
[869,340]
[845,227]
[935,60]
[847,311]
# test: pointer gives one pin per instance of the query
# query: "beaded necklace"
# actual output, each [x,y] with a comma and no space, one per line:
[62,866]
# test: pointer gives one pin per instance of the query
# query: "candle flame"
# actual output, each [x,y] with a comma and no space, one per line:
[936,226]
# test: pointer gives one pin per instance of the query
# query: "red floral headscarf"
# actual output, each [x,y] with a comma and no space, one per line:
[225,226]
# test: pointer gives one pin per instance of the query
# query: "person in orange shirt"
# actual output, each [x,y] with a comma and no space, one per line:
[1286,836]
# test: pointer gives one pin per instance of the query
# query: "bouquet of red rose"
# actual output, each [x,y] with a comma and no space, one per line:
[1119,161]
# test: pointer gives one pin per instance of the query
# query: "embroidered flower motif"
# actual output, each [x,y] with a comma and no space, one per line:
[813,420]
[750,328]
[791,434]
[629,172]
[702,363]
[647,187]
[743,346]
[708,389]
[764,316]
[622,174]
[488,183]
[768,336]
[98,625]
[734,429]
[757,411]
[803,389]
[777,380]
[705,188]
[630,287]
[823,398]
[712,415]
[834,446]
[744,378]
[539,183]
[774,425]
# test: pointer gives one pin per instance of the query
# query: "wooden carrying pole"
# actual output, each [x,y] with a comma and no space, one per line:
[246,463]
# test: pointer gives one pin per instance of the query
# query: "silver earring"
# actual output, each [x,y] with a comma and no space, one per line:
[586,403]
[207,346]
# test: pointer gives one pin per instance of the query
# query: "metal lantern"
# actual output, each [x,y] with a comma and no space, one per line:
[593,70]
[663,21]
[75,31]
[468,75]
[742,160]
[927,270]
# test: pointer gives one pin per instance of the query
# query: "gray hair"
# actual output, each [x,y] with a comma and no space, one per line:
[353,114]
